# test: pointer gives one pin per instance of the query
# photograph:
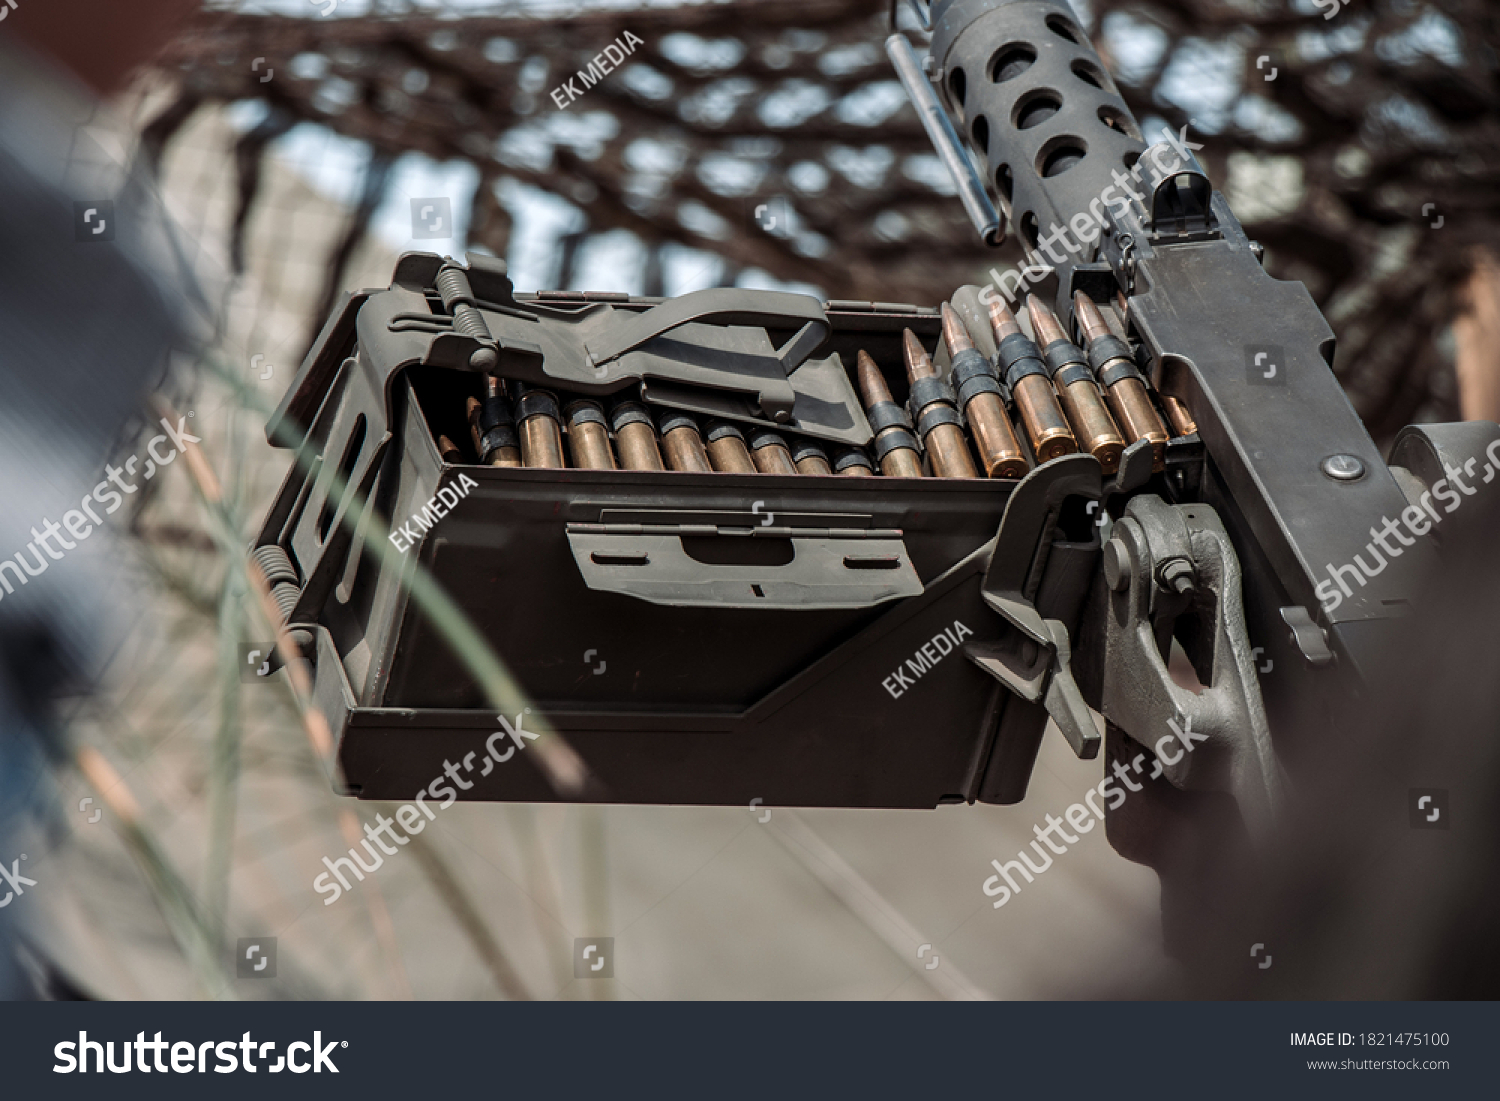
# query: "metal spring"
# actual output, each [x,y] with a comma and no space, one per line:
[285,595]
[458,297]
[275,565]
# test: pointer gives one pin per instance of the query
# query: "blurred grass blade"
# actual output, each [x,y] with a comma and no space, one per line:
[182,916]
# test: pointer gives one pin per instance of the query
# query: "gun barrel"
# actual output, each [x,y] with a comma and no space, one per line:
[1021,80]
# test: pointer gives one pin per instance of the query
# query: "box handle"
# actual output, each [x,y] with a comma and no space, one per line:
[721,306]
[826,571]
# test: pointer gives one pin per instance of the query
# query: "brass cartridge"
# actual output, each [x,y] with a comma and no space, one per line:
[978,391]
[726,448]
[1123,385]
[895,446]
[769,453]
[1093,427]
[1020,363]
[810,458]
[934,408]
[493,427]
[852,462]
[449,450]
[681,444]
[540,423]
[635,436]
[588,435]
[1182,421]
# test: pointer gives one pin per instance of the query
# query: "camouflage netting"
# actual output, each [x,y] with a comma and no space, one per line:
[1360,121]
[1371,116]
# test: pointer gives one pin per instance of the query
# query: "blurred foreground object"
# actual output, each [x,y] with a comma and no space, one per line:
[91,301]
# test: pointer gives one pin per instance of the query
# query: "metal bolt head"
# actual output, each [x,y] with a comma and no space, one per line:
[483,359]
[1176,575]
[1343,468]
[1116,566]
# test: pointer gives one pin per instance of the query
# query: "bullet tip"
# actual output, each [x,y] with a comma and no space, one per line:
[918,363]
[1044,323]
[955,332]
[1002,321]
[872,387]
[1089,319]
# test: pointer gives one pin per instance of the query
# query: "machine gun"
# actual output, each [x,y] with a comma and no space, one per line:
[1253,555]
[741,610]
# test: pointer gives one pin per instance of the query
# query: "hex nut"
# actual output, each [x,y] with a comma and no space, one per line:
[1176,575]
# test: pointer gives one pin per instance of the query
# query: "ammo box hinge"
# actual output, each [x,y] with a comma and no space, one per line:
[726,529]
